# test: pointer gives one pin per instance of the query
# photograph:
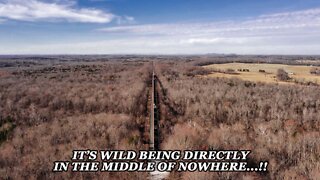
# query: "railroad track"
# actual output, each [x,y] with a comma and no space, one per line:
[154,114]
[154,143]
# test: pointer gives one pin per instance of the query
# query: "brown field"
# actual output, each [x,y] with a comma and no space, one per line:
[298,73]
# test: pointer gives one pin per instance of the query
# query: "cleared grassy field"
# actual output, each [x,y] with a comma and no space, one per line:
[298,73]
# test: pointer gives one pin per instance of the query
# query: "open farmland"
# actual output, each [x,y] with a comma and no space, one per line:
[264,72]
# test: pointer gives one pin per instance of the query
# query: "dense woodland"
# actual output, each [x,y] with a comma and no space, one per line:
[47,112]
[52,105]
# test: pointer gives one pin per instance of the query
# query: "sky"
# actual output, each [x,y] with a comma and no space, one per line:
[160,27]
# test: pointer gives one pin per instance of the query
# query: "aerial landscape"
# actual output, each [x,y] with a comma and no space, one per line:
[162,76]
[52,104]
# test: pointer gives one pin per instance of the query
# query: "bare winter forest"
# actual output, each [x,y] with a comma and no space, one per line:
[54,104]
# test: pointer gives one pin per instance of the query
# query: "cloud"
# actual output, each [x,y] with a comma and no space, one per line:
[125,20]
[296,32]
[58,10]
[212,41]
[173,45]
[266,24]
[283,33]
